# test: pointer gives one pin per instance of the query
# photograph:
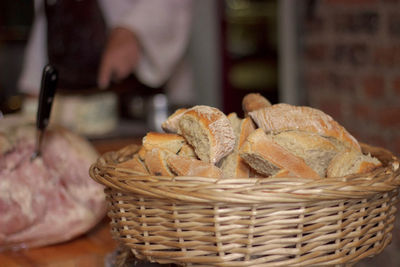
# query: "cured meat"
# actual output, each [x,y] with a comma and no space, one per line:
[52,198]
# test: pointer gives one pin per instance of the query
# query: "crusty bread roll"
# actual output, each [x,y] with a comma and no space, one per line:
[135,165]
[155,160]
[254,101]
[233,166]
[183,166]
[142,153]
[169,141]
[283,117]
[268,158]
[208,131]
[316,150]
[351,162]
[171,124]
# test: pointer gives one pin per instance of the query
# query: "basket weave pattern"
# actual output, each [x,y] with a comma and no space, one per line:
[250,222]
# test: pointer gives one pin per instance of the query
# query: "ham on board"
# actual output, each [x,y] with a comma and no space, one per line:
[52,198]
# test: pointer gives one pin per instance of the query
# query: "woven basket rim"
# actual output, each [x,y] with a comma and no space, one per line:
[247,190]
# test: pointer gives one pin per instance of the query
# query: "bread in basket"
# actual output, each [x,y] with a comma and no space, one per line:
[285,219]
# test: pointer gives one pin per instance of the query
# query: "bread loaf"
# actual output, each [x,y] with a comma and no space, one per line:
[316,150]
[169,141]
[155,160]
[254,101]
[351,162]
[171,124]
[233,166]
[208,131]
[284,117]
[183,166]
[284,174]
[267,157]
[135,165]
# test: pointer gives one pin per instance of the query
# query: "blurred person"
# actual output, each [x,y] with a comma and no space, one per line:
[95,45]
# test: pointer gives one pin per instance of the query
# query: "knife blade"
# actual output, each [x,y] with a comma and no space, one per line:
[46,97]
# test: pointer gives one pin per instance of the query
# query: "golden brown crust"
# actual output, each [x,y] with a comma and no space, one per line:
[283,117]
[183,166]
[171,124]
[254,101]
[135,164]
[155,160]
[169,141]
[366,166]
[284,174]
[142,153]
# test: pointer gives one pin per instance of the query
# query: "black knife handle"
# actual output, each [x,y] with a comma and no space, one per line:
[46,96]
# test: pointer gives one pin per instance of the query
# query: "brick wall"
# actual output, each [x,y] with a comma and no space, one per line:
[350,54]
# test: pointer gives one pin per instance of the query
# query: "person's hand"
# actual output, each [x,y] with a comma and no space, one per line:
[120,57]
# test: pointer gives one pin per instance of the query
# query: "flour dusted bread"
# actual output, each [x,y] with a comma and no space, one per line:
[233,166]
[268,158]
[208,131]
[351,162]
[283,117]
[317,151]
[156,162]
[184,166]
[254,101]
[171,124]
[135,165]
[278,140]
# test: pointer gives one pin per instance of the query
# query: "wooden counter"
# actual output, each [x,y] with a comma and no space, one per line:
[88,250]
[85,251]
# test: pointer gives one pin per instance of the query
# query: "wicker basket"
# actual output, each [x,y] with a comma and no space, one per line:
[251,222]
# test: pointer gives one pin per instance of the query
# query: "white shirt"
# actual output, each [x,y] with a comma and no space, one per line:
[161,26]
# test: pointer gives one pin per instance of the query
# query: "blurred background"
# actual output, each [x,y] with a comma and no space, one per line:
[340,56]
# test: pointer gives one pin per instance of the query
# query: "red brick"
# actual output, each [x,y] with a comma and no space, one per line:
[315,80]
[341,82]
[389,116]
[362,111]
[396,146]
[314,26]
[376,140]
[315,52]
[386,56]
[374,86]
[396,86]
[332,108]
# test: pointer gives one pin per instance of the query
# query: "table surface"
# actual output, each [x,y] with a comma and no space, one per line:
[88,250]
